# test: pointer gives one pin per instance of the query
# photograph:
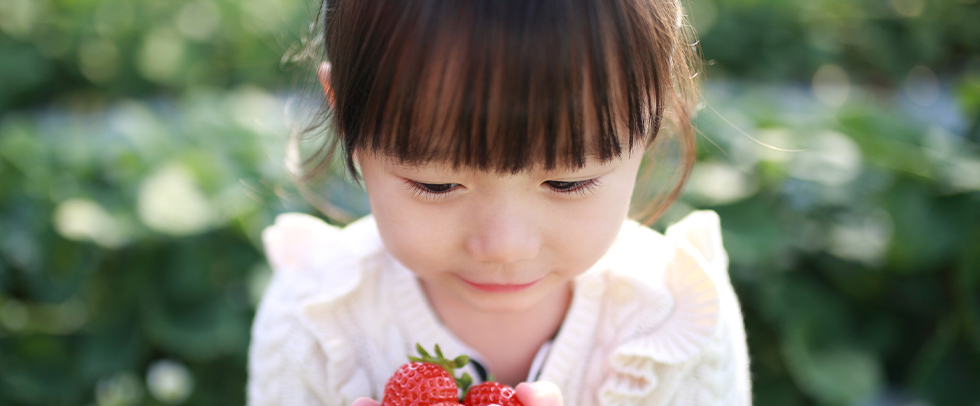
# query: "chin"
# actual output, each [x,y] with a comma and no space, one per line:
[503,307]
[505,303]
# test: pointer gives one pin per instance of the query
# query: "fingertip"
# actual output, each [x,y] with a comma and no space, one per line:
[524,390]
[540,393]
[548,390]
[365,402]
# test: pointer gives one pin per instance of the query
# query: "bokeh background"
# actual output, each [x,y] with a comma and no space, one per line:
[141,154]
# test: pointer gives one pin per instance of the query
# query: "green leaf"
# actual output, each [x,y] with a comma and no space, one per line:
[463,383]
[422,352]
[839,375]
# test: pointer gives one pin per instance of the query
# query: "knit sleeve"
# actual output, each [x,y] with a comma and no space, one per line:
[719,375]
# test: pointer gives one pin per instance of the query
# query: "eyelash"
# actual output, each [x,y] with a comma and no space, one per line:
[579,187]
[430,191]
[438,190]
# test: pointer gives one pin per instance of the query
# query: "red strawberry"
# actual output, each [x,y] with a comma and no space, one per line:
[426,381]
[419,383]
[491,393]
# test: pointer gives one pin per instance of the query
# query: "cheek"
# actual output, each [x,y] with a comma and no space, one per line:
[410,231]
[586,233]
[397,224]
[416,234]
[588,230]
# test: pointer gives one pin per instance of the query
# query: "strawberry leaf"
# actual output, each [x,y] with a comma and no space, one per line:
[422,352]
[464,382]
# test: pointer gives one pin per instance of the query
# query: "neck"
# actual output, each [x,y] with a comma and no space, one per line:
[509,340]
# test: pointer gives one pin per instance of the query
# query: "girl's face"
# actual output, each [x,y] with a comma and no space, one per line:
[498,243]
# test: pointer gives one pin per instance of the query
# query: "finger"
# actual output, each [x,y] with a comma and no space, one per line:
[540,393]
[365,402]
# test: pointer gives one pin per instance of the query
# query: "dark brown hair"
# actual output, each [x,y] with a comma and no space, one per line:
[505,85]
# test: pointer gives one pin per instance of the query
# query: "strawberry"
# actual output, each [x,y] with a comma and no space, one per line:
[491,393]
[429,381]
[419,383]
[426,381]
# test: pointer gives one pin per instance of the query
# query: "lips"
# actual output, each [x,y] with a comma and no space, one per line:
[499,288]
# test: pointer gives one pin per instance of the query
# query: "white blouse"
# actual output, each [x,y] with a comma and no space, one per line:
[654,322]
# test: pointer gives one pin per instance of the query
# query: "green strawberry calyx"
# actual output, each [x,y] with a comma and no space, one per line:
[463,382]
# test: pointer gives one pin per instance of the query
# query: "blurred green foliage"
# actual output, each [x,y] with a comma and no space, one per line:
[141,154]
[856,257]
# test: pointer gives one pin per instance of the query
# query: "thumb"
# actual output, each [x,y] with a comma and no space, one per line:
[540,393]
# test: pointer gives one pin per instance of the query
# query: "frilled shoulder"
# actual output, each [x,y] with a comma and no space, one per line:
[325,258]
[700,232]
[298,241]
[683,275]
[316,266]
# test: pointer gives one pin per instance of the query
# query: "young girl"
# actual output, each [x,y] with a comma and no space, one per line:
[500,142]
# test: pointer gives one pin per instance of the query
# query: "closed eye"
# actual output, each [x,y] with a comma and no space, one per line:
[580,186]
[431,189]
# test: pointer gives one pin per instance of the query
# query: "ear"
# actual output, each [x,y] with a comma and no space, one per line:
[323,73]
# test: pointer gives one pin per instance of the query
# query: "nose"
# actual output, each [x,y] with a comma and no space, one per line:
[504,236]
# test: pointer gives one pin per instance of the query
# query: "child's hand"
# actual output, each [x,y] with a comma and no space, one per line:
[365,402]
[540,393]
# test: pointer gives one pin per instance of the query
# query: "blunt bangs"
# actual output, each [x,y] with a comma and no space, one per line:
[498,85]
